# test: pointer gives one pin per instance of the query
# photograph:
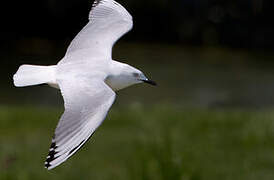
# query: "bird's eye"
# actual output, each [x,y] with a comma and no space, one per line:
[135,75]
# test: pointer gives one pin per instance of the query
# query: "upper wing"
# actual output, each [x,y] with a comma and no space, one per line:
[86,106]
[108,21]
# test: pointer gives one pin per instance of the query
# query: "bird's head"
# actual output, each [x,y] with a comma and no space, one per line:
[125,75]
[140,78]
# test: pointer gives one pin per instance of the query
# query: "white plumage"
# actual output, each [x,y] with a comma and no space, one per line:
[108,21]
[87,77]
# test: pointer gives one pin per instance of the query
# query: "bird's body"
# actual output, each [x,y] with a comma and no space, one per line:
[114,74]
[87,77]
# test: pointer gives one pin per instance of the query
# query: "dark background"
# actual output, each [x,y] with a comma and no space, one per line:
[204,53]
[235,23]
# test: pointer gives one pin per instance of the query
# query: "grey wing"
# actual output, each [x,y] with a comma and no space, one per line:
[108,21]
[86,106]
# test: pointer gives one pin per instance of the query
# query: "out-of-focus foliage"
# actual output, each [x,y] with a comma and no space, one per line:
[141,143]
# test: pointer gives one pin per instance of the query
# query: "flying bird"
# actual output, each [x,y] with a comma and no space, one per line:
[87,77]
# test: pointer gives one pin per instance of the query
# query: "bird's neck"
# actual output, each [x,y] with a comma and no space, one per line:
[118,77]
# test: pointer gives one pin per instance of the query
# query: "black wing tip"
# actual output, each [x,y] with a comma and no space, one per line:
[47,165]
[53,145]
[51,155]
[52,152]
[96,2]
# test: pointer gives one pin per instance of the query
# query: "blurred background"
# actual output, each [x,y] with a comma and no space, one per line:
[211,116]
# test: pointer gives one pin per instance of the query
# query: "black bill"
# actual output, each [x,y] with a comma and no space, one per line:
[150,82]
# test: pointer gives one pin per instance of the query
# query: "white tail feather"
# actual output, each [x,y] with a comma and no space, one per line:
[28,75]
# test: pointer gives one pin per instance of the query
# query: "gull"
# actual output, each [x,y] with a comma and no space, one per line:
[87,77]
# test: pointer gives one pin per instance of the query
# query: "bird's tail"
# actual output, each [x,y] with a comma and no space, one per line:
[28,75]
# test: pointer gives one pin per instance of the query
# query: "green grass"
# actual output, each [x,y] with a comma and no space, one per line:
[160,142]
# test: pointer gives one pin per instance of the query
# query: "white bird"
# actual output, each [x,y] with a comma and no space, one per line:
[87,77]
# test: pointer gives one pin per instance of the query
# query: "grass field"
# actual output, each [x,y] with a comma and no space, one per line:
[136,142]
[226,133]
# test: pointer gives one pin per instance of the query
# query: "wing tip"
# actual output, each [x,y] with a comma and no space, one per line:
[111,4]
[96,3]
[51,155]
